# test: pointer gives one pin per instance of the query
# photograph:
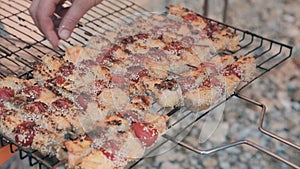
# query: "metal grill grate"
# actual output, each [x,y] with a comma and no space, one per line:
[21,44]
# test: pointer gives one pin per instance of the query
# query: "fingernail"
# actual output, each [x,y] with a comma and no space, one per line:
[64,34]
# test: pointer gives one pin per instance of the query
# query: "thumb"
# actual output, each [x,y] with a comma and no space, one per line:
[72,17]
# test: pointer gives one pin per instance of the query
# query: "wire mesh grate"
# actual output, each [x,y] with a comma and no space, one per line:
[21,44]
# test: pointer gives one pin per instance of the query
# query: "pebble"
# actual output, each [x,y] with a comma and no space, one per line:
[296,61]
[295,96]
[251,115]
[294,118]
[292,31]
[245,157]
[171,155]
[234,150]
[289,18]
[194,161]
[243,134]
[247,148]
[210,162]
[225,164]
[219,135]
[240,165]
[277,126]
[168,164]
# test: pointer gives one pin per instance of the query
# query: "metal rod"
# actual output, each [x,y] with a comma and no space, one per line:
[247,142]
[261,122]
[225,10]
[206,7]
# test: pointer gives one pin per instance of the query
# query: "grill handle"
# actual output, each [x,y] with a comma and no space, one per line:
[245,141]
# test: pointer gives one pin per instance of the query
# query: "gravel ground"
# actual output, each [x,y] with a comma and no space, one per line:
[278,90]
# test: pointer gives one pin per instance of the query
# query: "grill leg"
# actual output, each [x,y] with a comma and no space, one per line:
[206,9]
[225,10]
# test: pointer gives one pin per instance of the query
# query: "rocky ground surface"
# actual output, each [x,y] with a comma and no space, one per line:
[278,90]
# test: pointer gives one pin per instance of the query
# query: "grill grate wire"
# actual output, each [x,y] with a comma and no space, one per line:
[21,44]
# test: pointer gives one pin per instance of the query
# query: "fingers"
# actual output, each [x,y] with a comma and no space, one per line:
[32,10]
[42,14]
[72,17]
[74,14]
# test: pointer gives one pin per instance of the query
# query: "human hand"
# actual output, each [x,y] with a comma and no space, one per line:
[55,21]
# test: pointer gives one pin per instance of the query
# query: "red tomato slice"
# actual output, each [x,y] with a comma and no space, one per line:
[110,149]
[215,83]
[56,81]
[36,107]
[25,133]
[111,52]
[59,80]
[174,48]
[135,73]
[2,109]
[187,83]
[188,41]
[232,70]
[145,132]
[210,28]
[129,115]
[190,17]
[211,68]
[33,92]
[6,94]
[83,100]
[118,81]
[67,69]
[142,36]
[128,40]
[62,103]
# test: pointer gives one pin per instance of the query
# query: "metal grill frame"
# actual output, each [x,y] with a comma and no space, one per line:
[268,53]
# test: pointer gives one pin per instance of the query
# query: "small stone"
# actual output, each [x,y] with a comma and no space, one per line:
[234,150]
[245,157]
[293,119]
[263,142]
[241,165]
[219,135]
[295,132]
[275,126]
[193,141]
[184,164]
[278,105]
[251,115]
[223,156]
[283,134]
[194,131]
[194,162]
[292,31]
[244,133]
[296,60]
[295,95]
[249,149]
[170,156]
[256,166]
[168,164]
[284,102]
[225,164]
[288,18]
[210,162]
